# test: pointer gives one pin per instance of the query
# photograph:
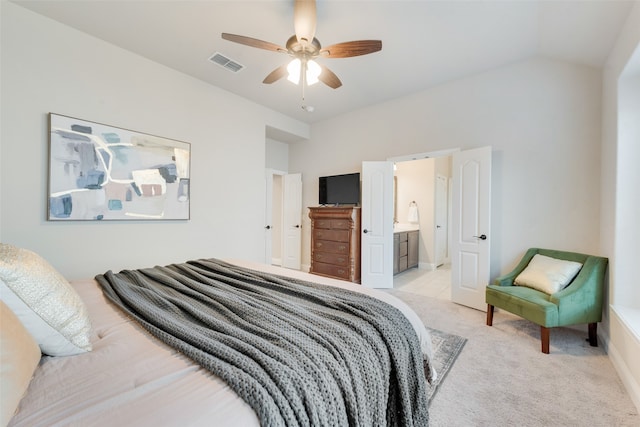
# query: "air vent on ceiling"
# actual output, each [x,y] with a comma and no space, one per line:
[225,62]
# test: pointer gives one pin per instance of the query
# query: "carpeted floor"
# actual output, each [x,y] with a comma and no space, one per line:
[501,378]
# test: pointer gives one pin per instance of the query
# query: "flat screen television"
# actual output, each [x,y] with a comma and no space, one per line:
[339,189]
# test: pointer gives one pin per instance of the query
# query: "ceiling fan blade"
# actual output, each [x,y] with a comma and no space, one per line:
[260,44]
[329,78]
[276,74]
[304,21]
[348,49]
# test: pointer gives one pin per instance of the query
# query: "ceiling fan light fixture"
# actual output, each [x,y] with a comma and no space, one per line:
[303,47]
[313,72]
[311,69]
[294,71]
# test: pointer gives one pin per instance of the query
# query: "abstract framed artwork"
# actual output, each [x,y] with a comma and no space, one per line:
[101,172]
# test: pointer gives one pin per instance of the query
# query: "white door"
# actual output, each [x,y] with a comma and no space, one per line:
[377,225]
[268,240]
[442,225]
[292,221]
[471,207]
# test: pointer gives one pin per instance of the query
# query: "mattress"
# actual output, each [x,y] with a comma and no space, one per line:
[131,378]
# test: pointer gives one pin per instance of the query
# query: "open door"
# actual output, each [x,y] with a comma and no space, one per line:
[377,225]
[268,217]
[292,221]
[442,224]
[470,242]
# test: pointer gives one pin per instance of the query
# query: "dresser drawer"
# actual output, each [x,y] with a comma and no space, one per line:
[335,224]
[332,270]
[342,224]
[331,247]
[335,235]
[329,258]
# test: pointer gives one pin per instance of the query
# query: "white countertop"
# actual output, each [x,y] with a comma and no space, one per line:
[400,227]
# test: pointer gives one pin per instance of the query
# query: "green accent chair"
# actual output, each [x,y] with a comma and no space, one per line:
[580,302]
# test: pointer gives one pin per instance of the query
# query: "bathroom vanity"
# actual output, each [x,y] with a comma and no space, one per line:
[405,247]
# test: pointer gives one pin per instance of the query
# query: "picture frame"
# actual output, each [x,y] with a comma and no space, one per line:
[99,172]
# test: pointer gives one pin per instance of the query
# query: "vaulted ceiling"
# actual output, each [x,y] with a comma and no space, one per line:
[424,43]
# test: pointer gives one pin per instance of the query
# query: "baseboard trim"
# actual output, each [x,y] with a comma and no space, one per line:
[276,261]
[426,266]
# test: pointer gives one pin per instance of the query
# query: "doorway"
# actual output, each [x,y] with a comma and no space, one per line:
[283,227]
[422,201]
[470,225]
[273,223]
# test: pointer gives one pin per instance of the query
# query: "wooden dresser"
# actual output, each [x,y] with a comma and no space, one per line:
[335,242]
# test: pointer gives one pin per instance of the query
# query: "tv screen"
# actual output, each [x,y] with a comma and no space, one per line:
[339,189]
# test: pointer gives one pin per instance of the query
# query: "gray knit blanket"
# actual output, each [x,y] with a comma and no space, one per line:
[299,353]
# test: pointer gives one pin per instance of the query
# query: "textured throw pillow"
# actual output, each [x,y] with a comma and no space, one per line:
[46,304]
[548,275]
[19,357]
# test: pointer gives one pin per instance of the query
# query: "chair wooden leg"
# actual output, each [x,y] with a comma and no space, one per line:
[593,334]
[544,337]
[489,315]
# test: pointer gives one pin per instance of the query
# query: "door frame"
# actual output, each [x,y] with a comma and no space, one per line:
[439,203]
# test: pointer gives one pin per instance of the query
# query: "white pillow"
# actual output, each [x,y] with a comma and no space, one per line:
[548,275]
[20,355]
[46,304]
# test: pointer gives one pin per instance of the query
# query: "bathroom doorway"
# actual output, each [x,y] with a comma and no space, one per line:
[422,200]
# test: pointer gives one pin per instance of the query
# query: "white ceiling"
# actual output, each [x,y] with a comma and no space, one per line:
[424,43]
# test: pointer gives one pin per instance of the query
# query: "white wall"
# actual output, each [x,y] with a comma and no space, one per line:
[277,155]
[541,117]
[49,67]
[619,229]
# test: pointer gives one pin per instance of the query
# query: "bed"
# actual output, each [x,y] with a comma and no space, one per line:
[130,377]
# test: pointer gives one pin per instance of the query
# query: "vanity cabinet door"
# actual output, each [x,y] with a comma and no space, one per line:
[412,250]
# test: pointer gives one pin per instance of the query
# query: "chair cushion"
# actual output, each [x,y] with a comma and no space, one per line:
[525,302]
[548,275]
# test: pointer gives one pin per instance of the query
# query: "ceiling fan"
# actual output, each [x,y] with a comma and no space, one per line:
[304,48]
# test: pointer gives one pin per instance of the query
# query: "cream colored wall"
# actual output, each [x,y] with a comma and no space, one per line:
[619,205]
[541,117]
[49,67]
[416,182]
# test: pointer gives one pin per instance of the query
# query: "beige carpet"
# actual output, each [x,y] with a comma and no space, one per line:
[501,378]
